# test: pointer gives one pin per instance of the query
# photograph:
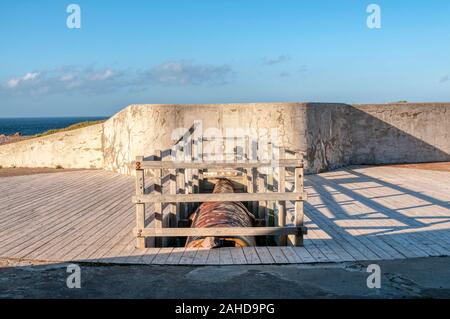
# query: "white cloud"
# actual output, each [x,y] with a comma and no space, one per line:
[277,60]
[185,72]
[94,80]
[103,75]
[12,83]
[64,80]
[444,79]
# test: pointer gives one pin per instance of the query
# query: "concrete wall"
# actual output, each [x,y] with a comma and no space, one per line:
[400,133]
[143,129]
[81,148]
[342,134]
[330,135]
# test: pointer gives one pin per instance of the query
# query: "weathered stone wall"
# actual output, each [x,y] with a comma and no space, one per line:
[80,148]
[342,134]
[330,135]
[400,133]
[140,130]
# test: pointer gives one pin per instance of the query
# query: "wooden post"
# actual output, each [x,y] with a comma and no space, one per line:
[270,205]
[282,204]
[172,173]
[140,208]
[158,220]
[181,184]
[245,170]
[250,174]
[195,179]
[299,216]
[198,151]
[189,172]
[254,148]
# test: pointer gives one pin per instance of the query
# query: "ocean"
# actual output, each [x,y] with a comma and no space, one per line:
[32,126]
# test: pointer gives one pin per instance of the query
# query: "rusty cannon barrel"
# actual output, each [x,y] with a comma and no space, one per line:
[221,214]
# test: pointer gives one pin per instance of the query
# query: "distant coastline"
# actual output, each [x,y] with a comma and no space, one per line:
[33,126]
[18,129]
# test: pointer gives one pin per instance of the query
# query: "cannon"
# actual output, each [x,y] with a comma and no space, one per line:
[221,214]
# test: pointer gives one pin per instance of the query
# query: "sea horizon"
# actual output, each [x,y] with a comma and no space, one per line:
[27,126]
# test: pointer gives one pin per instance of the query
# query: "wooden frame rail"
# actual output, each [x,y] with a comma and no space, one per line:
[223,197]
[221,231]
[217,165]
[184,198]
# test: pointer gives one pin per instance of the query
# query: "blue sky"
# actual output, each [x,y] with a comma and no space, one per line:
[218,51]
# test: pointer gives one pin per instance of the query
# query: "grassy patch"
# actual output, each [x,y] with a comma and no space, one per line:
[70,128]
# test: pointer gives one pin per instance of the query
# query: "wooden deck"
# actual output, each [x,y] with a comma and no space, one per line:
[365,213]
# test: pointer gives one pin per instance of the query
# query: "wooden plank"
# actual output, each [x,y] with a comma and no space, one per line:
[115,245]
[304,255]
[37,190]
[111,248]
[424,242]
[314,251]
[351,245]
[55,195]
[113,255]
[83,218]
[251,255]
[149,254]
[225,256]
[213,257]
[175,256]
[278,255]
[264,255]
[361,247]
[404,244]
[163,255]
[221,164]
[134,257]
[51,226]
[188,256]
[119,230]
[82,239]
[122,252]
[218,197]
[324,246]
[96,228]
[201,256]
[290,254]
[238,256]
[221,231]
[129,250]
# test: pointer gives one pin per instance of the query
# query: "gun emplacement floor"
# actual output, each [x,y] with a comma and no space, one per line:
[357,213]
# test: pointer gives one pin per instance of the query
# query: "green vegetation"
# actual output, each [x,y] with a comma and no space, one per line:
[70,128]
